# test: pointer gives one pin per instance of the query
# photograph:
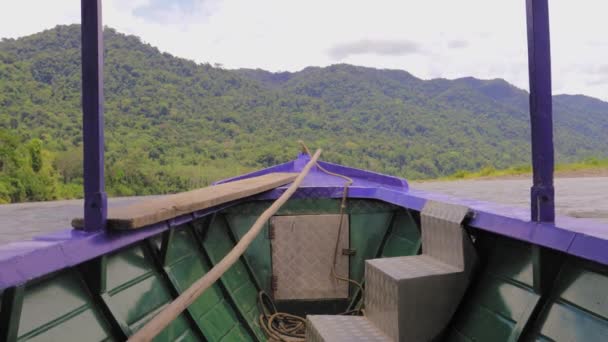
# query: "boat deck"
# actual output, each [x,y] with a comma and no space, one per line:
[122,279]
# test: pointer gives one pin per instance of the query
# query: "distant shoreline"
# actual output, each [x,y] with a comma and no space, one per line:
[588,168]
[586,173]
[592,173]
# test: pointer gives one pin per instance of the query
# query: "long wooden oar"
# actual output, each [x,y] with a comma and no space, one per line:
[168,314]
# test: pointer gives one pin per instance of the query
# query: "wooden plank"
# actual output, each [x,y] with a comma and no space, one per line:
[154,326]
[155,210]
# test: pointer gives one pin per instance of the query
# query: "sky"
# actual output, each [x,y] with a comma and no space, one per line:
[428,38]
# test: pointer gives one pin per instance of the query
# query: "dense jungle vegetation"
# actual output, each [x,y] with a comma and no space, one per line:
[172,124]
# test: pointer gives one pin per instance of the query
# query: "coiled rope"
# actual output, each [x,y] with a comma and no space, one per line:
[280,326]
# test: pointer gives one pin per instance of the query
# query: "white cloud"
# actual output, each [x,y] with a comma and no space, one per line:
[19,18]
[481,38]
[378,47]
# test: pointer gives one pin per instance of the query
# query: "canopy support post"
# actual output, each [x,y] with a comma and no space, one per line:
[95,198]
[541,116]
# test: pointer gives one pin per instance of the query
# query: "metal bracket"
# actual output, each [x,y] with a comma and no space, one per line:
[274,284]
[349,251]
[270,231]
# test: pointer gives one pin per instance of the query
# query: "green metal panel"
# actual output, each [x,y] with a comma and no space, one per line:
[237,280]
[364,206]
[213,313]
[311,206]
[59,308]
[499,304]
[258,254]
[578,306]
[237,333]
[136,293]
[11,303]
[496,310]
[404,237]
[510,259]
[366,234]
[369,222]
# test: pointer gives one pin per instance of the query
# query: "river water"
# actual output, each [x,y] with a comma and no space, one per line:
[578,197]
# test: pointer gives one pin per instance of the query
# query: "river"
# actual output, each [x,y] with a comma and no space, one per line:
[578,197]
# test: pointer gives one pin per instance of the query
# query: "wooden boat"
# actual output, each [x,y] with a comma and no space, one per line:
[360,255]
[538,281]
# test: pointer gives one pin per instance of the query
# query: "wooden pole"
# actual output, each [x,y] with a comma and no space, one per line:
[168,314]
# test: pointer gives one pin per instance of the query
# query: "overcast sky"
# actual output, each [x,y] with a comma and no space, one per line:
[429,38]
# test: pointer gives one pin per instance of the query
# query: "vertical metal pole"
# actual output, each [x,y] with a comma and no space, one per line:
[95,199]
[541,116]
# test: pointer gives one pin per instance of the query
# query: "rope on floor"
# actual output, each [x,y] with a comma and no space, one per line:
[280,326]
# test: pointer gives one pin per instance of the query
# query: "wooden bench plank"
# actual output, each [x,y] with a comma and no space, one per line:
[155,210]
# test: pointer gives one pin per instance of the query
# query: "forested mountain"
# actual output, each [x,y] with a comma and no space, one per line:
[172,124]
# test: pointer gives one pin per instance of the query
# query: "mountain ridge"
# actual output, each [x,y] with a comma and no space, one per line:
[173,124]
[274,73]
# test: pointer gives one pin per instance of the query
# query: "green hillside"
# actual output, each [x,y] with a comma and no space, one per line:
[172,124]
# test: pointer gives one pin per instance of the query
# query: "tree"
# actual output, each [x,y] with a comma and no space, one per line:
[35,150]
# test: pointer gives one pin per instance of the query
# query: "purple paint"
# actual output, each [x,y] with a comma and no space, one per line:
[541,116]
[179,220]
[318,178]
[301,161]
[95,198]
[589,247]
[285,167]
[26,260]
